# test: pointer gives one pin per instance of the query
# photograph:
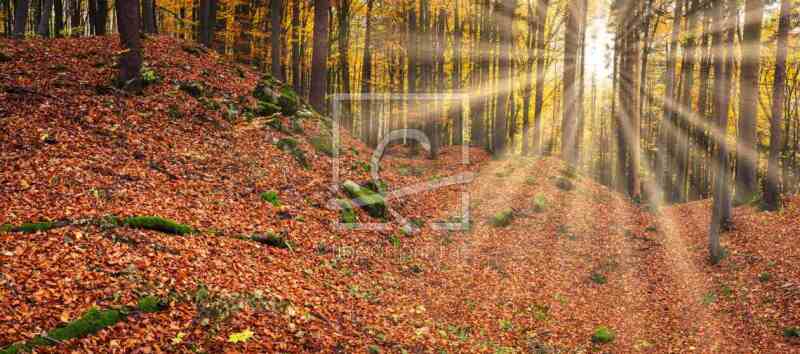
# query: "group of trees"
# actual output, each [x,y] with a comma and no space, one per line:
[699,99]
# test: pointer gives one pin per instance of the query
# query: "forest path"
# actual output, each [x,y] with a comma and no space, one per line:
[551,277]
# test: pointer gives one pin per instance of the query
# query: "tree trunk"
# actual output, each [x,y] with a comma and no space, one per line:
[569,121]
[297,70]
[101,17]
[130,61]
[149,16]
[668,127]
[541,21]
[685,120]
[58,20]
[457,111]
[20,17]
[366,77]
[276,38]
[319,58]
[747,151]
[772,198]
[43,29]
[530,43]
[343,17]
[505,21]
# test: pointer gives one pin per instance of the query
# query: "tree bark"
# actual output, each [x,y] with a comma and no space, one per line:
[297,70]
[366,77]
[319,58]
[772,198]
[276,38]
[43,28]
[541,21]
[569,121]
[149,16]
[101,17]
[505,21]
[747,151]
[130,62]
[20,17]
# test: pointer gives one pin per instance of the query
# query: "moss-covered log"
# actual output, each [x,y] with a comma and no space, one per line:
[368,200]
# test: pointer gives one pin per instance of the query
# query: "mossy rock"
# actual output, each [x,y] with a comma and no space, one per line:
[372,202]
[288,101]
[272,239]
[503,218]
[347,214]
[291,146]
[4,58]
[565,184]
[569,172]
[380,187]
[323,144]
[603,334]
[598,278]
[150,304]
[156,223]
[192,88]
[91,322]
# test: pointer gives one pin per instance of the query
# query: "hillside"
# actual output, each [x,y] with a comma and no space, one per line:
[551,256]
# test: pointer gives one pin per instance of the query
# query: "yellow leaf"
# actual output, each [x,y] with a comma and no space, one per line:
[240,337]
[64,316]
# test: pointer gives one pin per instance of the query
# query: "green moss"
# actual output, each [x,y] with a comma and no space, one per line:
[290,146]
[598,278]
[288,101]
[373,349]
[791,332]
[271,197]
[4,228]
[149,304]
[266,108]
[503,218]
[272,239]
[368,200]
[603,334]
[569,172]
[4,57]
[323,144]
[29,228]
[539,203]
[347,214]
[157,224]
[91,322]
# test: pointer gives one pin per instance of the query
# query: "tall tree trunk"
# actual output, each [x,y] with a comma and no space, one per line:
[584,5]
[43,29]
[276,37]
[505,21]
[58,20]
[541,21]
[685,120]
[366,78]
[747,151]
[101,17]
[75,17]
[319,58]
[21,8]
[668,127]
[457,111]
[297,70]
[149,16]
[530,43]
[343,17]
[130,61]
[569,121]
[721,106]
[772,198]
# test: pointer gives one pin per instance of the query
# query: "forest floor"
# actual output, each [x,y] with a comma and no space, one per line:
[565,261]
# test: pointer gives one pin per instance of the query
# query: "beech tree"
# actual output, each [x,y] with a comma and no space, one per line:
[319,59]
[772,197]
[130,61]
[747,151]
